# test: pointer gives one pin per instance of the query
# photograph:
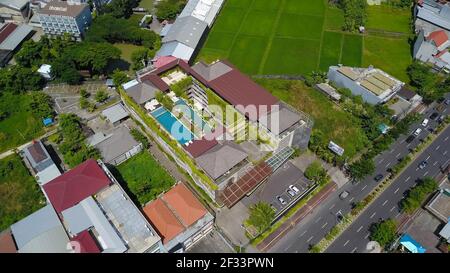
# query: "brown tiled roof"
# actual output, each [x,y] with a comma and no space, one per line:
[184,204]
[7,244]
[200,146]
[156,81]
[6,30]
[37,152]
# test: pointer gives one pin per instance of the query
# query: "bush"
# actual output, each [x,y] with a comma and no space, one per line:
[261,216]
[418,194]
[140,137]
[384,232]
[101,96]
[316,173]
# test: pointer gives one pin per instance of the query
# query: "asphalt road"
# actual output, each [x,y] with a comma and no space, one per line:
[355,238]
[316,225]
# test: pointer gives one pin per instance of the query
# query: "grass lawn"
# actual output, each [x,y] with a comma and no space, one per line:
[147,4]
[331,49]
[143,177]
[21,125]
[20,194]
[334,19]
[394,58]
[127,50]
[345,130]
[389,19]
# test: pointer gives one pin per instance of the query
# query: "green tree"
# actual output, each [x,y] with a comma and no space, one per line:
[140,137]
[41,105]
[119,77]
[164,100]
[384,232]
[261,216]
[101,96]
[355,13]
[140,58]
[121,8]
[84,93]
[316,173]
[63,69]
[168,9]
[18,79]
[417,195]
[362,168]
[84,103]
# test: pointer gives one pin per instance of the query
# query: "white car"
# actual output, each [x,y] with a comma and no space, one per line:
[417,131]
[425,122]
[294,188]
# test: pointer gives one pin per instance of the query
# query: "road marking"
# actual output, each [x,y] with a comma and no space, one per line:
[425,174]
[363,187]
[407,146]
[437,148]
[384,203]
[392,151]
[367,236]
[392,209]
[379,162]
[428,157]
[435,163]
[359,229]
[303,233]
[398,155]
[398,214]
[351,199]
[354,250]
[409,177]
[346,242]
[446,139]
[371,216]
[310,238]
[401,142]
[318,219]
[332,206]
[324,225]
[396,190]
[387,165]
[445,152]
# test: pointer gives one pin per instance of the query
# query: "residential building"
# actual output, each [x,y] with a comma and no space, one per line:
[373,85]
[439,204]
[404,102]
[12,36]
[180,219]
[7,244]
[117,146]
[445,232]
[432,15]
[140,92]
[115,114]
[97,213]
[39,160]
[204,10]
[433,48]
[59,17]
[15,10]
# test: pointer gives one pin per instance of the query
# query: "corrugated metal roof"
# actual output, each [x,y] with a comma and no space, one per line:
[17,37]
[115,113]
[187,30]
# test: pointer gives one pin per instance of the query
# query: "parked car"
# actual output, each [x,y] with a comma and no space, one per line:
[425,122]
[417,131]
[294,188]
[379,177]
[410,139]
[281,200]
[344,195]
[291,192]
[423,164]
[434,116]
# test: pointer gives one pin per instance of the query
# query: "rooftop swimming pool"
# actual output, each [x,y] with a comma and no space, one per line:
[173,125]
[193,117]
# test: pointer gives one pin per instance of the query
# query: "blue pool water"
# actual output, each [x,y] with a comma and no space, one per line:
[193,116]
[172,125]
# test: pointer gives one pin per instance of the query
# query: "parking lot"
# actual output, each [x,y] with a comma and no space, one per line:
[278,185]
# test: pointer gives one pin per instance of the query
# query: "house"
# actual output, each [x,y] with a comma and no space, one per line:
[432,15]
[373,85]
[116,147]
[445,232]
[15,10]
[94,209]
[140,92]
[41,232]
[180,219]
[406,101]
[182,38]
[433,48]
[12,36]
[45,71]
[59,17]
[116,113]
[439,205]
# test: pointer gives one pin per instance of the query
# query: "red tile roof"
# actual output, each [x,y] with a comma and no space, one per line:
[7,244]
[185,205]
[75,185]
[156,81]
[439,37]
[200,146]
[163,220]
[6,30]
[163,60]
[87,242]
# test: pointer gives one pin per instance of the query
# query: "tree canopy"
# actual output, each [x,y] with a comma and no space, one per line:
[384,232]
[261,216]
[168,9]
[316,173]
[355,13]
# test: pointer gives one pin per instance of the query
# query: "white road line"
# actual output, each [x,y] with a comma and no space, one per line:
[428,157]
[407,146]
[437,148]
[371,216]
[392,151]
[303,233]
[425,174]
[398,214]
[354,250]
[384,203]
[409,177]
[367,235]
[401,142]
[318,219]
[346,242]
[446,139]
[379,162]
[396,190]
[398,155]
[310,238]
[332,206]
[392,209]
[435,163]
[351,199]
[387,165]
[324,225]
[359,229]
[363,187]
[445,153]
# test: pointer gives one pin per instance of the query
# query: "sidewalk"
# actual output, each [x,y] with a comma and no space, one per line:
[296,218]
